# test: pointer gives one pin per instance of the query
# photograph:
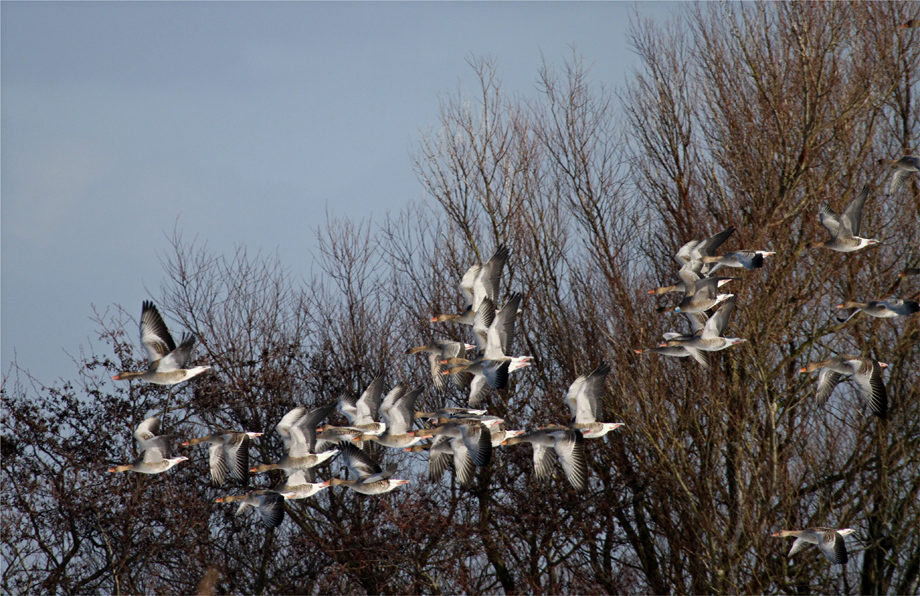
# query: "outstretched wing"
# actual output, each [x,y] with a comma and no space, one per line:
[852,217]
[829,220]
[154,333]
[570,447]
[718,322]
[827,380]
[358,461]
[868,377]
[834,548]
[488,283]
[369,402]
[501,332]
[179,357]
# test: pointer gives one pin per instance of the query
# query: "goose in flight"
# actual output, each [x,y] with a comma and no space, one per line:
[167,361]
[697,323]
[584,399]
[844,229]
[450,413]
[682,287]
[269,503]
[462,444]
[398,412]
[676,351]
[749,259]
[474,434]
[866,372]
[829,540]
[702,294]
[697,250]
[369,478]
[882,309]
[567,444]
[484,281]
[710,337]
[153,448]
[478,283]
[494,334]
[229,453]
[298,430]
[491,372]
[445,452]
[438,351]
[298,486]
[362,412]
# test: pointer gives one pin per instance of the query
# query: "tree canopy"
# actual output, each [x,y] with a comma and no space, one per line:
[751,116]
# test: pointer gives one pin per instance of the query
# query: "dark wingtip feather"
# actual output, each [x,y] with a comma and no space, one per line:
[840,550]
[272,509]
[484,456]
[580,482]
[501,376]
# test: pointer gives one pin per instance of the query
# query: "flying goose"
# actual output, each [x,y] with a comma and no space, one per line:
[904,167]
[369,479]
[298,430]
[229,452]
[475,436]
[676,351]
[866,372]
[438,351]
[494,334]
[567,444]
[167,362]
[450,413]
[844,229]
[682,287]
[500,435]
[484,281]
[298,486]
[584,400]
[398,412]
[749,259]
[701,294]
[491,372]
[448,452]
[478,283]
[270,504]
[829,540]
[696,250]
[710,337]
[153,448]
[697,323]
[882,309]
[362,413]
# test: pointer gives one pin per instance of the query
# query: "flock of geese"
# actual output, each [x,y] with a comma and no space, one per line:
[463,438]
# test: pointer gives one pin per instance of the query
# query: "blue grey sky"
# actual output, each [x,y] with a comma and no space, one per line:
[239,122]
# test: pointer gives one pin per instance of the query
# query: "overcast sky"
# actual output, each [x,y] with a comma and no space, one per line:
[242,122]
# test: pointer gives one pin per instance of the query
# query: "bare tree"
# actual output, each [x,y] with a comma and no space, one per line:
[750,116]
